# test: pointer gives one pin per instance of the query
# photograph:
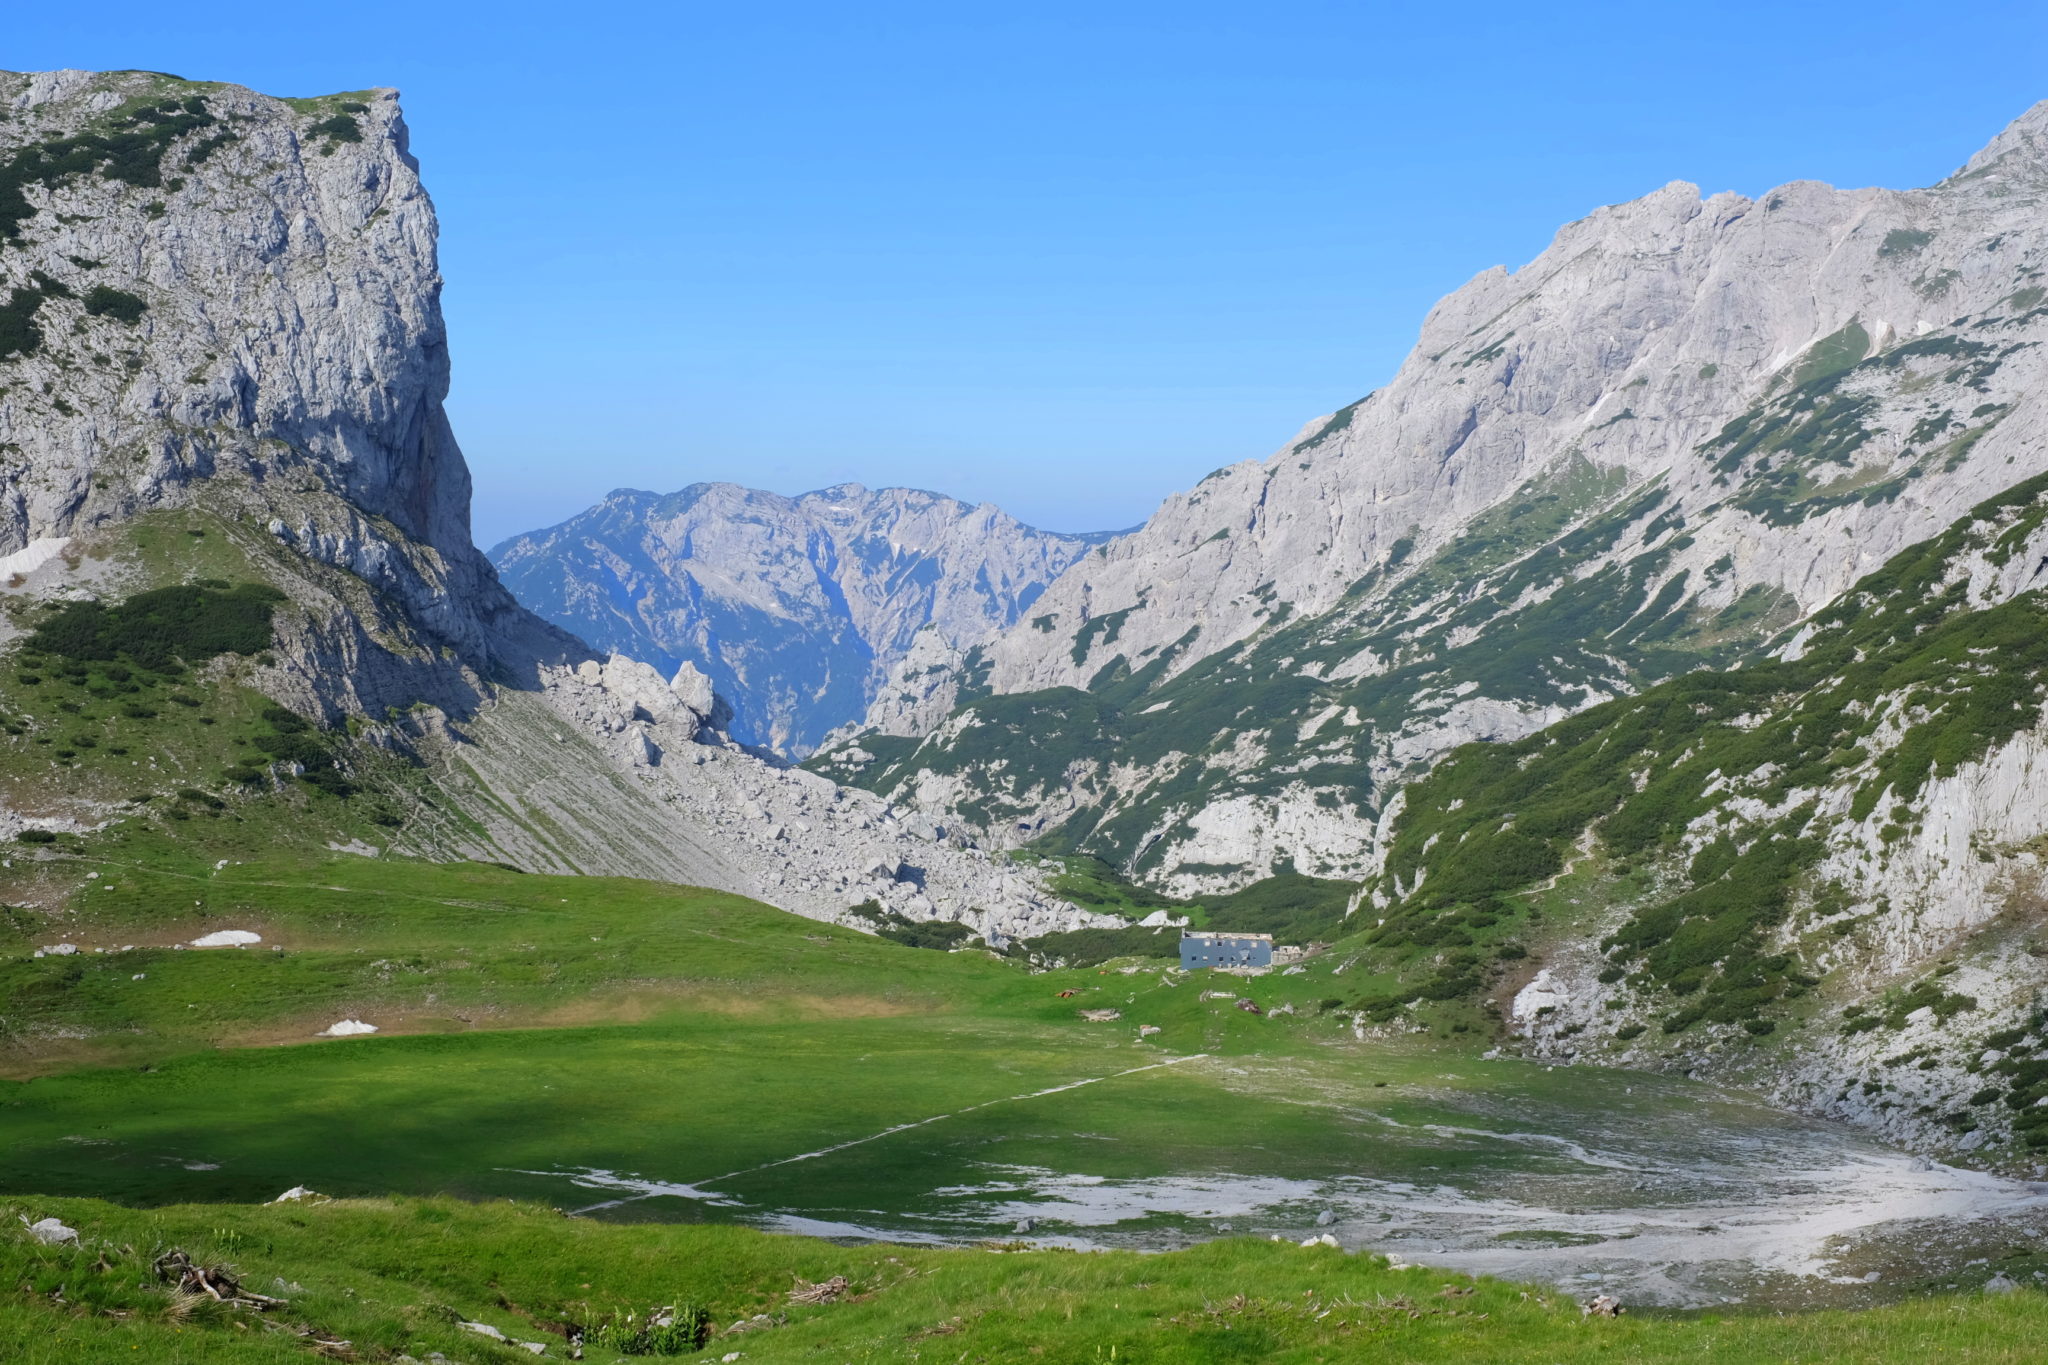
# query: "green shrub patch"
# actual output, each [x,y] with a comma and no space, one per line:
[118,304]
[342,127]
[164,628]
[944,935]
[129,148]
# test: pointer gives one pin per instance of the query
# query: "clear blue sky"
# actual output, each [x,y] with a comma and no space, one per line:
[1063,256]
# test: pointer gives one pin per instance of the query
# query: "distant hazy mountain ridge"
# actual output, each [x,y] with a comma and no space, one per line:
[797,608]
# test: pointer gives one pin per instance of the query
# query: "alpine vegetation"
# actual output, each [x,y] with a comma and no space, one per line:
[237,498]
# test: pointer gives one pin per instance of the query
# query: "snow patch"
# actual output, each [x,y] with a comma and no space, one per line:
[227,938]
[33,555]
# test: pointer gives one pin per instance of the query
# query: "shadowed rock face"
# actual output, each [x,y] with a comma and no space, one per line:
[796,608]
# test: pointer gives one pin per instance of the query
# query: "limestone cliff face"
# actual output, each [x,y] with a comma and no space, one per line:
[796,608]
[225,307]
[212,294]
[1689,422]
[1630,342]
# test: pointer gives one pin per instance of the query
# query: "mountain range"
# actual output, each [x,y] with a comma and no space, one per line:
[1655,655]
[1686,426]
[1649,674]
[796,608]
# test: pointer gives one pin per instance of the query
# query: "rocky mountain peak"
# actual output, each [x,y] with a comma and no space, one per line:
[1697,402]
[2021,148]
[796,607]
[201,282]
[1640,330]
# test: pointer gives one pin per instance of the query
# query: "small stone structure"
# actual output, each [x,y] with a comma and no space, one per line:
[1218,948]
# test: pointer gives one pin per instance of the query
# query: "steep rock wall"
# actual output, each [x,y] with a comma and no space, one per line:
[1687,424]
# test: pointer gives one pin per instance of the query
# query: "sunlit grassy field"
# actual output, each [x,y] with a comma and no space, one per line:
[542,1024]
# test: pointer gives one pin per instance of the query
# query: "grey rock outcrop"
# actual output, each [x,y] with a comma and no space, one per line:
[1631,342]
[616,774]
[796,608]
[1919,916]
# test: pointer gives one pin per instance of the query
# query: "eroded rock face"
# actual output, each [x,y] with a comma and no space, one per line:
[246,310]
[796,608]
[1820,875]
[1685,426]
[1679,311]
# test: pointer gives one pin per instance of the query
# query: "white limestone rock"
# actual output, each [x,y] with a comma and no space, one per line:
[692,688]
[1546,992]
[600,788]
[286,377]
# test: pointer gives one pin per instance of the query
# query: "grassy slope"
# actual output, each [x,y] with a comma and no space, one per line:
[396,1275]
[438,947]
[184,755]
[1485,839]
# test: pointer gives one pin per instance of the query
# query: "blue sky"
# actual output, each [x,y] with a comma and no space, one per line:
[1063,256]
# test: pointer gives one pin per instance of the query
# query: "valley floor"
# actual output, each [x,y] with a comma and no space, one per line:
[692,1072]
